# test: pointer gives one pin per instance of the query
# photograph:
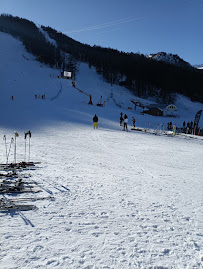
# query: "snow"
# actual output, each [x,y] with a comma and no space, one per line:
[121,199]
[49,40]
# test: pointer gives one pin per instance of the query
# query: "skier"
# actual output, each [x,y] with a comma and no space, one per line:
[121,119]
[184,124]
[133,120]
[125,127]
[183,129]
[95,121]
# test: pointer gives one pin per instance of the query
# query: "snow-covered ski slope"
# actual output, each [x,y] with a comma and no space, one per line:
[122,199]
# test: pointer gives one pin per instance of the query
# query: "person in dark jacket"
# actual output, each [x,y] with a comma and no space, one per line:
[184,124]
[125,126]
[133,120]
[95,121]
[121,119]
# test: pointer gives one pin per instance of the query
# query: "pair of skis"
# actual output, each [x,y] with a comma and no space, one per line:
[17,166]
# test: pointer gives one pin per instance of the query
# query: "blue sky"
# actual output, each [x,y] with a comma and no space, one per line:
[144,26]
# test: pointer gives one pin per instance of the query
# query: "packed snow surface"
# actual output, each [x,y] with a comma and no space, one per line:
[119,199]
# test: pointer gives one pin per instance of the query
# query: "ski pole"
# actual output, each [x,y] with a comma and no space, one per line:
[16,135]
[4,138]
[10,148]
[27,134]
[29,145]
[25,147]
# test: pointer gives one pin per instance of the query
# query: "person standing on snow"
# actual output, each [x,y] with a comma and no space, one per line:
[125,127]
[184,124]
[95,121]
[121,119]
[133,120]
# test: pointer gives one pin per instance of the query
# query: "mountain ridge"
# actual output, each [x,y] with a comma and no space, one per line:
[145,77]
[170,58]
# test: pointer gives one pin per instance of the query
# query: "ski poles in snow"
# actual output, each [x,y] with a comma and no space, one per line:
[16,135]
[4,138]
[10,147]
[14,141]
[8,151]
[29,135]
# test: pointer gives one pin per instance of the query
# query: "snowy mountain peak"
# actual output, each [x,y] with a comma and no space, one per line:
[170,58]
[198,66]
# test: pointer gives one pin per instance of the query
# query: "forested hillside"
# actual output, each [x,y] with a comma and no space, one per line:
[144,76]
[33,40]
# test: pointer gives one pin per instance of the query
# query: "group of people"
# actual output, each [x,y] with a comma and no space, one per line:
[36,96]
[123,121]
[190,128]
[40,96]
[189,124]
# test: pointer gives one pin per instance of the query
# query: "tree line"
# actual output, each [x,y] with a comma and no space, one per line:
[33,40]
[145,77]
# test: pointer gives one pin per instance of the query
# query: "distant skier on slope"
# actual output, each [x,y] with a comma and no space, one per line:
[125,127]
[95,121]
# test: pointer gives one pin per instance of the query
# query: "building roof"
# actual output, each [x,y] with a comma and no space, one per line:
[162,106]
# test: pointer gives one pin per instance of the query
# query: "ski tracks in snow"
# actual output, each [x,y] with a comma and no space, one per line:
[117,205]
